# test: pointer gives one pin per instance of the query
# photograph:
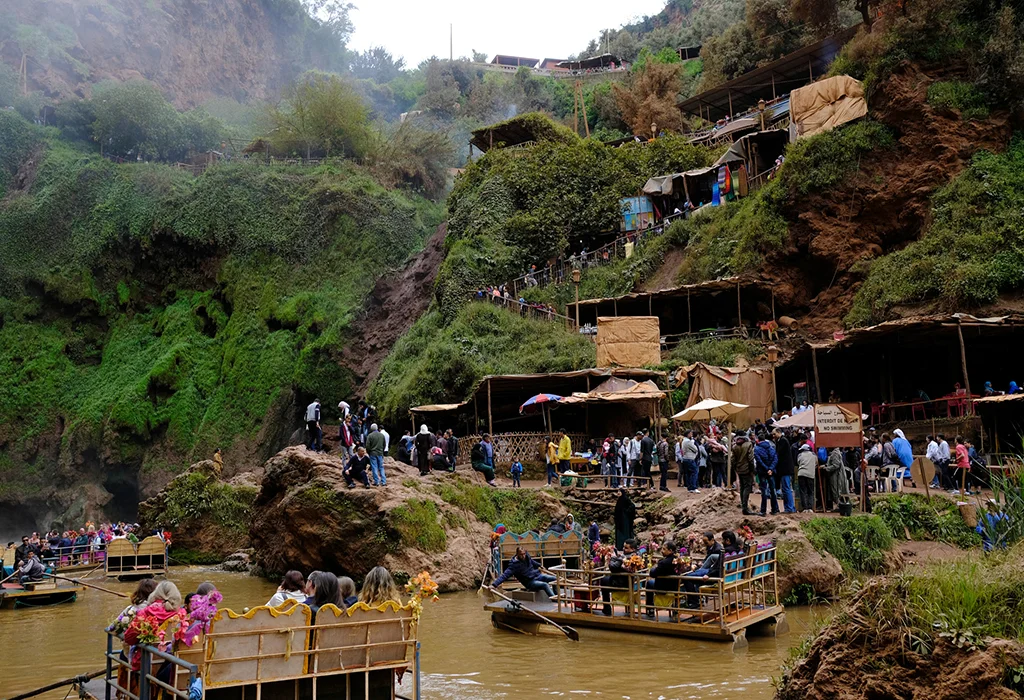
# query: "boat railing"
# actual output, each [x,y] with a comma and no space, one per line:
[145,683]
[748,584]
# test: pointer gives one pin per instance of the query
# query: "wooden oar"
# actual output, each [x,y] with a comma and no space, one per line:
[88,585]
[80,679]
[567,631]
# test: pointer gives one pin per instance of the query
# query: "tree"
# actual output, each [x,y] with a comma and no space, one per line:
[442,94]
[651,98]
[414,155]
[478,57]
[134,118]
[377,64]
[334,15]
[321,113]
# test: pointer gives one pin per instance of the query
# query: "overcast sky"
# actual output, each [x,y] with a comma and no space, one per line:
[418,29]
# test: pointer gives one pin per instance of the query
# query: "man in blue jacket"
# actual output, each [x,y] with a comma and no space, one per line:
[527,572]
[767,462]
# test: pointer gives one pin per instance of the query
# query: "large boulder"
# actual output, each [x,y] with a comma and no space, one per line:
[306,518]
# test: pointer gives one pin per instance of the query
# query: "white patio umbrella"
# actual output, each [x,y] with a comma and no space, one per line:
[719,410]
[710,408]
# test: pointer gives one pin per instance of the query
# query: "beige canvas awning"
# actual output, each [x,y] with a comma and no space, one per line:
[617,390]
[826,104]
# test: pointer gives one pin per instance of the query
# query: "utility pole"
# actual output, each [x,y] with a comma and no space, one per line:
[451,43]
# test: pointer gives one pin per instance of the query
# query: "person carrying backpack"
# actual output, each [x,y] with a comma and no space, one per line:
[478,458]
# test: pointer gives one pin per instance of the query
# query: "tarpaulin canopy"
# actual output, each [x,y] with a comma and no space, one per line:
[751,386]
[628,341]
[437,408]
[665,185]
[826,104]
[617,390]
[804,419]
[757,151]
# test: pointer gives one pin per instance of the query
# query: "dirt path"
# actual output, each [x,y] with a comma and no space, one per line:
[397,300]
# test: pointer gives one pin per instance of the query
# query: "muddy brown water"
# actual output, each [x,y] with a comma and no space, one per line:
[462,657]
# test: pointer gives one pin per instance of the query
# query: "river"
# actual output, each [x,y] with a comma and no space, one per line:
[463,657]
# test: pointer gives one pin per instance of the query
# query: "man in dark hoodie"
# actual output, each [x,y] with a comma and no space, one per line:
[784,473]
[617,580]
[663,575]
[743,462]
[528,573]
[767,462]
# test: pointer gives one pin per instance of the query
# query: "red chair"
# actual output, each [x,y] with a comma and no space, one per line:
[914,408]
[876,413]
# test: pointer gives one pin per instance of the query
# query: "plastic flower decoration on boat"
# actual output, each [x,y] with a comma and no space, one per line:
[421,588]
[602,553]
[748,534]
[633,564]
[122,621]
[202,609]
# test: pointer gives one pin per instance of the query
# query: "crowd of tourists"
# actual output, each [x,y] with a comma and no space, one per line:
[86,545]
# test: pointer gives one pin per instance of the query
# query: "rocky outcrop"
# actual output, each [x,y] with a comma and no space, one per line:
[209,517]
[306,518]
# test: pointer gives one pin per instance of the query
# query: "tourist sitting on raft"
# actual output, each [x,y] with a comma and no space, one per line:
[663,577]
[711,567]
[31,570]
[617,580]
[527,572]
[378,588]
[292,588]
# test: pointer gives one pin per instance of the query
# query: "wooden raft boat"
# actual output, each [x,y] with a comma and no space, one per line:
[744,599]
[34,595]
[125,561]
[281,654]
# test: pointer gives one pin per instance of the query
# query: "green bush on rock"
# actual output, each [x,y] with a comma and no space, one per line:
[859,542]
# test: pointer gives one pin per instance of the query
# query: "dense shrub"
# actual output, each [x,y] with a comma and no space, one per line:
[519,510]
[859,542]
[140,304]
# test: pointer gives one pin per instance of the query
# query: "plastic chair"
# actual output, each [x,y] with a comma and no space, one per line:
[894,480]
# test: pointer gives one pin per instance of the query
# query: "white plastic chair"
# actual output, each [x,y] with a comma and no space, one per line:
[894,480]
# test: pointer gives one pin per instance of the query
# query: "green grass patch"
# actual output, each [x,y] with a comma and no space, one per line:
[859,542]
[191,557]
[417,523]
[963,97]
[938,520]
[519,509]
[972,252]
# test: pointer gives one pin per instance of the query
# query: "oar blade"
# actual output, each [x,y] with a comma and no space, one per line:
[571,634]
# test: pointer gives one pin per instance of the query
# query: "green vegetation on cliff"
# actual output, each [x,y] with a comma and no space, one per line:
[972,252]
[140,305]
[438,362]
[938,519]
[519,509]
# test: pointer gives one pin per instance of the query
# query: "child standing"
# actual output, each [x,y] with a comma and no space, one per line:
[517,472]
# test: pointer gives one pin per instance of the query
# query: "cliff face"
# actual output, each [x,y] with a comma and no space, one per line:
[193,49]
[148,317]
